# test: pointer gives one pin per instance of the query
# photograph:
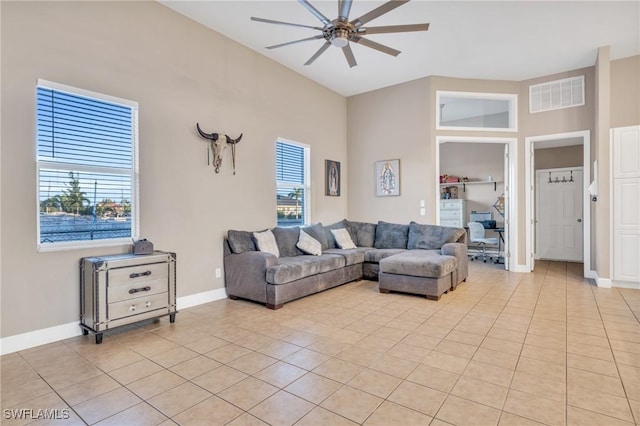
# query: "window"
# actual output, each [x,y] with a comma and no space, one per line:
[87,167]
[476,111]
[292,183]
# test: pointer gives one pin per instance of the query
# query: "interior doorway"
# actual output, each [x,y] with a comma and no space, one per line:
[502,204]
[556,154]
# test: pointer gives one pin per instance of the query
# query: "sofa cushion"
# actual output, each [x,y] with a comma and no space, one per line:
[352,257]
[429,237]
[308,244]
[376,255]
[287,238]
[317,232]
[294,268]
[240,241]
[331,239]
[391,236]
[343,238]
[363,233]
[266,242]
[419,263]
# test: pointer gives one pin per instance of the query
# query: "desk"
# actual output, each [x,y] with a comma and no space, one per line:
[500,231]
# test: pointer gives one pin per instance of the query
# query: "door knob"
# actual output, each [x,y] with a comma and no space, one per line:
[579,220]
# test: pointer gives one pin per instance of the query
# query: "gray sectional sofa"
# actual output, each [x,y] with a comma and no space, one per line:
[421,259]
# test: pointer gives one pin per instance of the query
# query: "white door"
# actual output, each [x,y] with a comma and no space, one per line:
[626,204]
[559,231]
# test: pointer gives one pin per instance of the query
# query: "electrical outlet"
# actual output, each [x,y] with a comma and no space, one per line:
[423,211]
[218,272]
[422,204]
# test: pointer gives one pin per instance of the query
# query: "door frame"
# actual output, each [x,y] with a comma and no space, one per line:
[529,145]
[512,194]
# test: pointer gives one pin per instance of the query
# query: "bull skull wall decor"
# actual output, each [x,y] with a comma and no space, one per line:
[217,144]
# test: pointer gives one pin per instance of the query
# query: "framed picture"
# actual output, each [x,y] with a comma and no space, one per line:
[332,178]
[387,178]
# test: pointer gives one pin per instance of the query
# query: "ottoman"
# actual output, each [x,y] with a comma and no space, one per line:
[424,272]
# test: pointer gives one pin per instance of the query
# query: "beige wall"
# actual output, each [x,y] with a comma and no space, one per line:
[554,158]
[180,73]
[625,92]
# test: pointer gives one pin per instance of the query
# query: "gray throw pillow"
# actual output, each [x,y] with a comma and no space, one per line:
[431,237]
[363,233]
[240,241]
[391,236]
[317,232]
[287,238]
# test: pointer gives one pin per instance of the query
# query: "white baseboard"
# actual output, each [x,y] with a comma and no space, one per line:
[43,336]
[20,342]
[521,268]
[201,298]
[603,282]
[591,274]
[626,284]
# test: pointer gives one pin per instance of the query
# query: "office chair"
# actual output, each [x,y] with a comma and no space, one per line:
[476,235]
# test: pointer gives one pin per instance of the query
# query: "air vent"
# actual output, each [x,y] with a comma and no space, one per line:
[557,94]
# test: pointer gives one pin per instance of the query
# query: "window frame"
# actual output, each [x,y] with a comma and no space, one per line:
[512,98]
[133,173]
[306,206]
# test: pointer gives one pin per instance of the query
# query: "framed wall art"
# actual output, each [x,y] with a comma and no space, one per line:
[331,178]
[387,178]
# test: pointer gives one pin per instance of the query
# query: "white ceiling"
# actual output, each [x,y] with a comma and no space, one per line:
[501,40]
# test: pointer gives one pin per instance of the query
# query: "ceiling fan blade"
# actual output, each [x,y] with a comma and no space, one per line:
[377,46]
[271,21]
[348,53]
[344,7]
[378,11]
[320,51]
[394,29]
[319,36]
[315,11]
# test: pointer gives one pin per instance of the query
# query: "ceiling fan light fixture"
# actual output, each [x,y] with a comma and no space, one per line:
[340,37]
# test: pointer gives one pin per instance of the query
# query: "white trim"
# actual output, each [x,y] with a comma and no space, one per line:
[513,109]
[604,282]
[512,188]
[586,203]
[591,274]
[521,268]
[626,284]
[185,302]
[43,336]
[56,333]
[87,93]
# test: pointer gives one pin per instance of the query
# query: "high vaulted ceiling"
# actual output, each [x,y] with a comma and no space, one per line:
[499,40]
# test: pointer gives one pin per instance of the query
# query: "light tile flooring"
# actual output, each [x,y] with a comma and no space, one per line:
[504,348]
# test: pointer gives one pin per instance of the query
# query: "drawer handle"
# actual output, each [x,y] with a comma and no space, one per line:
[140,274]
[135,290]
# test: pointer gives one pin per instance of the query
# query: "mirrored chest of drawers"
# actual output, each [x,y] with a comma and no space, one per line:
[123,289]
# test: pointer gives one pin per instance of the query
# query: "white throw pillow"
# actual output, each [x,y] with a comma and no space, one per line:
[308,244]
[343,239]
[266,241]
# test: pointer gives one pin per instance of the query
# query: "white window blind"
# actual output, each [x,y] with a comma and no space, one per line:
[86,162]
[292,191]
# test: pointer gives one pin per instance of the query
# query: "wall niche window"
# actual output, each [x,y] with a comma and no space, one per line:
[476,111]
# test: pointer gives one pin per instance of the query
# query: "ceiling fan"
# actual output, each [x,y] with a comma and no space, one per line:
[340,31]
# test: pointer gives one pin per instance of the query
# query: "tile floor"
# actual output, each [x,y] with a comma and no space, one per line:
[504,348]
